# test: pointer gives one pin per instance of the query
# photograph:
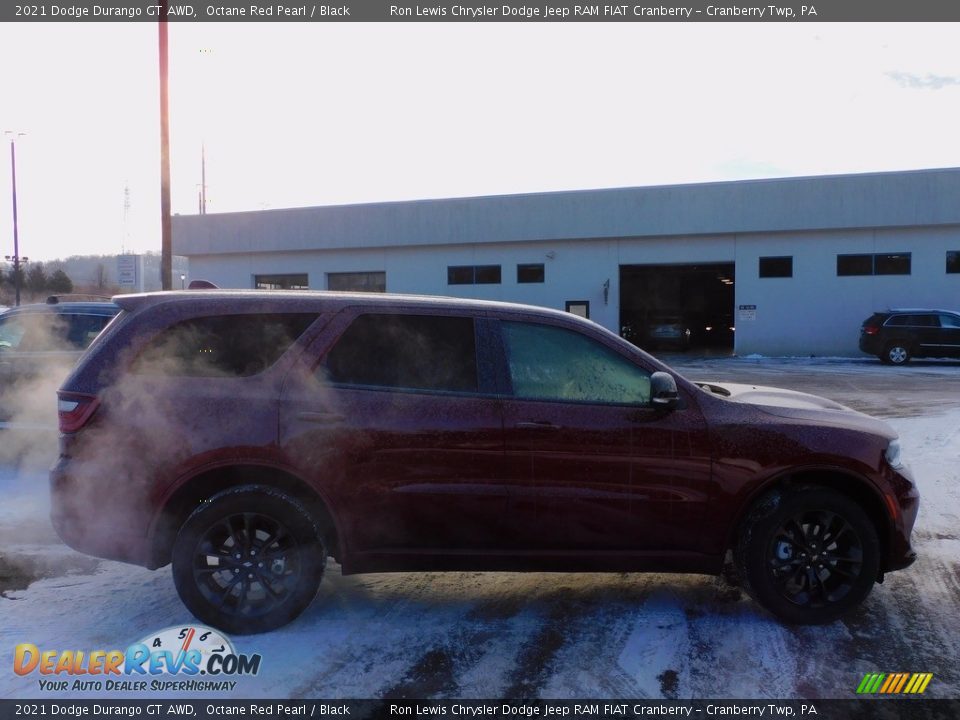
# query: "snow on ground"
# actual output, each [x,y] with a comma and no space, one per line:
[481,635]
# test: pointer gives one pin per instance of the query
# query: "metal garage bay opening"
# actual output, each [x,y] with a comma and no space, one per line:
[687,307]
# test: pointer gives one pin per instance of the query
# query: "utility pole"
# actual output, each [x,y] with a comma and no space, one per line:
[166,232]
[16,237]
[203,179]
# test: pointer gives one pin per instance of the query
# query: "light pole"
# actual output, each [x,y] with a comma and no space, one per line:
[16,239]
[182,279]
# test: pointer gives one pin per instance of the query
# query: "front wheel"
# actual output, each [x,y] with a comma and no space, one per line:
[249,560]
[808,554]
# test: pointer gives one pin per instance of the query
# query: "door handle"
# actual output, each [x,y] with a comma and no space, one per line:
[538,425]
[320,418]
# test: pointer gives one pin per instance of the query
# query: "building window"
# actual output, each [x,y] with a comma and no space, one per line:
[473,275]
[879,264]
[854,264]
[953,261]
[891,264]
[579,307]
[530,273]
[776,267]
[297,281]
[357,282]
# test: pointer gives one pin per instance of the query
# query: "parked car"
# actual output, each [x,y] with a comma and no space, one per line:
[248,436]
[895,336]
[668,332]
[41,342]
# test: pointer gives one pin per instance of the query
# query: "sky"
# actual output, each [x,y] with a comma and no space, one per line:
[296,115]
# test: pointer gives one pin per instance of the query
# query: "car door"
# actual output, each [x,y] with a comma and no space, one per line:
[950,334]
[601,467]
[398,426]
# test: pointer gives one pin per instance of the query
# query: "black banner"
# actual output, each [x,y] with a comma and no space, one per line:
[622,709]
[471,11]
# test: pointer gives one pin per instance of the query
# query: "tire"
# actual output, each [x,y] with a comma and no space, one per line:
[896,353]
[808,555]
[251,531]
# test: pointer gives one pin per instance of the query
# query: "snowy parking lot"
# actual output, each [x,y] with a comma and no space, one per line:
[490,635]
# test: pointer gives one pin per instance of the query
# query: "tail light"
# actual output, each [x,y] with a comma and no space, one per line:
[75,409]
[871,329]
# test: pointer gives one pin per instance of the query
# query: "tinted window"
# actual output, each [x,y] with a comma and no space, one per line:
[487,274]
[357,281]
[222,346]
[417,352]
[530,273]
[297,281]
[893,264]
[84,328]
[949,321]
[776,267]
[880,264]
[854,264]
[913,321]
[473,275]
[953,261]
[34,332]
[551,363]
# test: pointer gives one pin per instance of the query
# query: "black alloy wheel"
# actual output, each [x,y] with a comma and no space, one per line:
[815,558]
[808,554]
[249,560]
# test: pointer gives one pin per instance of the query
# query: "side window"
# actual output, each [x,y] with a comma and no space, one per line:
[84,328]
[33,332]
[413,352]
[11,332]
[913,321]
[221,345]
[552,363]
[950,321]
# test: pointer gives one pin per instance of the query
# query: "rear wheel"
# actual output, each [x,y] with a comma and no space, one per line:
[896,354]
[249,560]
[808,554]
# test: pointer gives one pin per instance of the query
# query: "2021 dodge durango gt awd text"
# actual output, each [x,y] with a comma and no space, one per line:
[247,436]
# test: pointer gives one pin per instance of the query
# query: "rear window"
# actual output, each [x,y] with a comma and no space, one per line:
[415,352]
[222,345]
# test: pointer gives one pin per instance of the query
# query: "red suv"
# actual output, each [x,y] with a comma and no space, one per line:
[247,436]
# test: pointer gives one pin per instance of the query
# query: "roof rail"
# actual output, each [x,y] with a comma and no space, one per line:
[56,299]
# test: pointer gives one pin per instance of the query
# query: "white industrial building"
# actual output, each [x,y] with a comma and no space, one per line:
[794,264]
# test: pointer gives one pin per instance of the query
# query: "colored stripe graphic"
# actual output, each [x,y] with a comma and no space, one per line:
[894,683]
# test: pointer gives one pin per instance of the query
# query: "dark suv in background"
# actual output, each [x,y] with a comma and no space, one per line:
[247,436]
[895,336]
[39,344]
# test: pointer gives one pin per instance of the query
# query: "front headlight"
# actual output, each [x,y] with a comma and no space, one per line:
[893,454]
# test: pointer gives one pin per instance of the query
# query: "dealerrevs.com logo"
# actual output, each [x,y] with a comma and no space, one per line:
[188,652]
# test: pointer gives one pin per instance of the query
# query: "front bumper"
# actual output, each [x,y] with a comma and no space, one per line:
[903,504]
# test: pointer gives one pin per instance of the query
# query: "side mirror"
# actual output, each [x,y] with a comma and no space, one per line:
[663,390]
